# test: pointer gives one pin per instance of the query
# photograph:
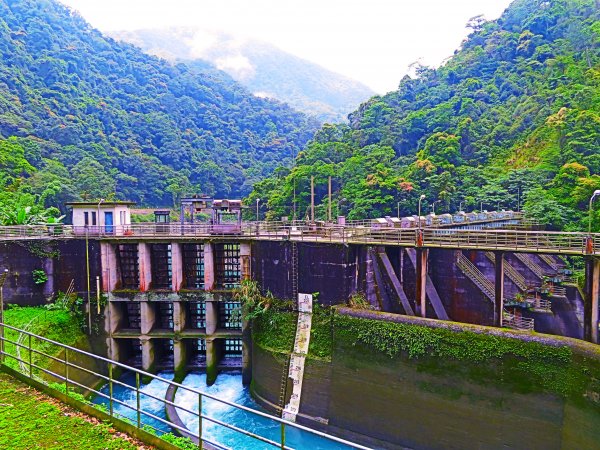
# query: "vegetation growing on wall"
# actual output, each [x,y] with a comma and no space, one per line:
[57,325]
[521,366]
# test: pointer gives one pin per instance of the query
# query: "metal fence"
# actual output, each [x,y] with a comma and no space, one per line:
[488,239]
[68,370]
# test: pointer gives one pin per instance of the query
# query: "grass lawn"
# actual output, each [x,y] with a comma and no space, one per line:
[30,419]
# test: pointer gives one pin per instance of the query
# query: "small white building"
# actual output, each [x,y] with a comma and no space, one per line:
[109,217]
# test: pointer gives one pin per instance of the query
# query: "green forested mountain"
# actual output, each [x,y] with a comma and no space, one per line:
[84,116]
[513,115]
[262,68]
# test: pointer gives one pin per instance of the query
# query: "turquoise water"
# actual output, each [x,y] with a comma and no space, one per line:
[227,387]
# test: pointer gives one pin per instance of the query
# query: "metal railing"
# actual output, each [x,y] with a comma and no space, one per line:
[510,320]
[69,364]
[457,238]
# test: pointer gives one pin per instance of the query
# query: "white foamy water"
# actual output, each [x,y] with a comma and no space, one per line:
[227,387]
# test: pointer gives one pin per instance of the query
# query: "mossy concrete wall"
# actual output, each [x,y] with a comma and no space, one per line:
[62,261]
[395,381]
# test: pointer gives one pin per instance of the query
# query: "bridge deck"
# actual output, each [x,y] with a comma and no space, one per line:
[452,238]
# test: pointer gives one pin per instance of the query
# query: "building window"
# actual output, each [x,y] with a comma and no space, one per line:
[229,315]
[197,314]
[94,218]
[233,347]
[227,266]
[161,266]
[193,263]
[86,218]
[127,255]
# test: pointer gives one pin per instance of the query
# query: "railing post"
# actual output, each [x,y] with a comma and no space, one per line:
[110,389]
[30,359]
[137,398]
[282,435]
[200,444]
[66,371]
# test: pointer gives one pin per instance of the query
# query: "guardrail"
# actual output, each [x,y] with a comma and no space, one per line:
[70,364]
[490,239]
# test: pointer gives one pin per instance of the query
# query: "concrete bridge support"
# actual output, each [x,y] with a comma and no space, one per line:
[499,288]
[179,316]
[110,267]
[148,355]
[212,361]
[147,316]
[592,290]
[421,281]
[246,274]
[145,266]
[176,266]
[212,315]
[179,358]
[209,267]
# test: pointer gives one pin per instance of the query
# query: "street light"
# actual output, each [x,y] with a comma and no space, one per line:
[433,206]
[594,195]
[460,206]
[421,198]
[257,200]
[398,209]
[480,206]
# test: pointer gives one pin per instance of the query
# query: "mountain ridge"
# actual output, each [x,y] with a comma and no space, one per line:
[261,67]
[102,117]
[511,120]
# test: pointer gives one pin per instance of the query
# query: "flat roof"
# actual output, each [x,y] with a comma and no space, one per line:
[99,203]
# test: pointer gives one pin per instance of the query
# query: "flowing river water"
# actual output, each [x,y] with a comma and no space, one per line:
[227,387]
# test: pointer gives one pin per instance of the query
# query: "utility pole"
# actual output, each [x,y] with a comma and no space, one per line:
[312,199]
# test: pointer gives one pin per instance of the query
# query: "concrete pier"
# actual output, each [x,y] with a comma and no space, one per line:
[421,281]
[499,288]
[592,289]
[145,266]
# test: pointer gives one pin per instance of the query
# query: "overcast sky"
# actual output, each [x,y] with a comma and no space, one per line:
[372,41]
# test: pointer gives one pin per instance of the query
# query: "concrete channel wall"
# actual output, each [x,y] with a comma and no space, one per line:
[437,402]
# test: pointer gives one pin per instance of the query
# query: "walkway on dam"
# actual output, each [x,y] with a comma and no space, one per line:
[549,242]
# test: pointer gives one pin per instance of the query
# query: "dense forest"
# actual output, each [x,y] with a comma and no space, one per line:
[82,116]
[262,68]
[511,120]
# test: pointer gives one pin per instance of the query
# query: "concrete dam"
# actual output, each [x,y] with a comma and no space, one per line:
[171,306]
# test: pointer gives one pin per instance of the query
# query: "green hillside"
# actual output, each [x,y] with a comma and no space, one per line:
[92,117]
[260,67]
[512,118]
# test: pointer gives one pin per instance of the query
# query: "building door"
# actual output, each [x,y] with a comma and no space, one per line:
[108,222]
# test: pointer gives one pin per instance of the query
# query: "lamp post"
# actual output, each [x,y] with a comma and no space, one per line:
[594,195]
[433,206]
[421,198]
[480,206]
[257,201]
[460,206]
[398,210]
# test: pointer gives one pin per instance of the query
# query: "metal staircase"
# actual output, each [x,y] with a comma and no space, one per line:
[510,272]
[475,275]
[284,381]
[551,262]
[530,264]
